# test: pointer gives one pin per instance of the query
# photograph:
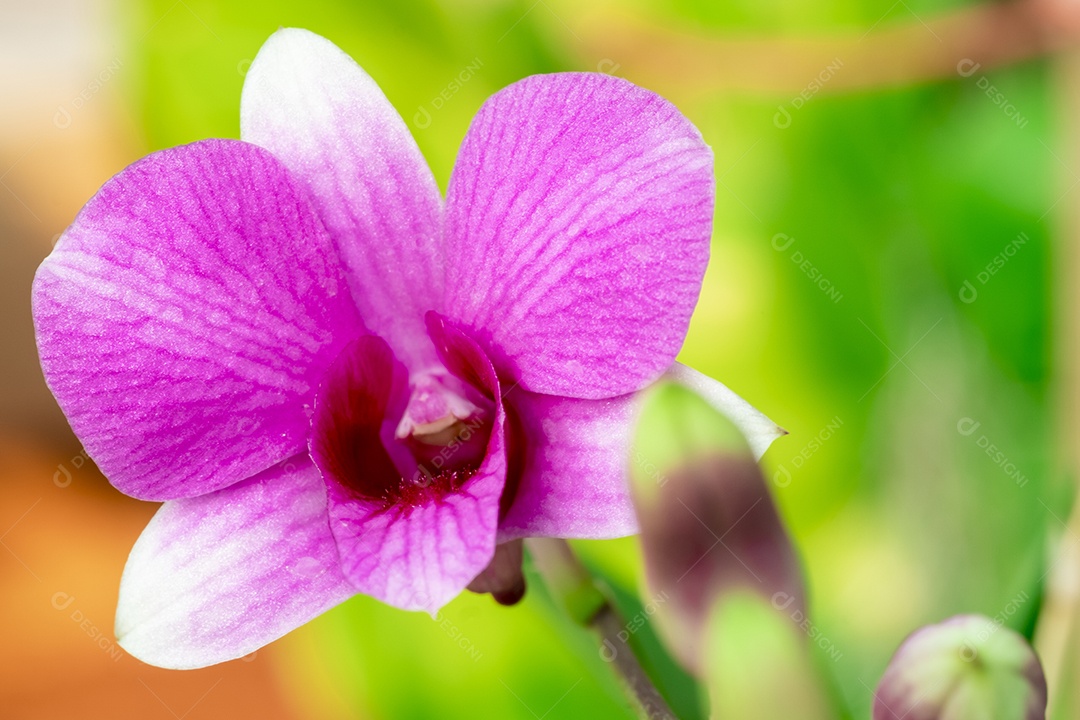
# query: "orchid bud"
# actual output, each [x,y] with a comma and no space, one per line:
[758,665]
[708,524]
[968,666]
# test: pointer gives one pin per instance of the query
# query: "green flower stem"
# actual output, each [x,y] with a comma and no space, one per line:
[1057,636]
[573,587]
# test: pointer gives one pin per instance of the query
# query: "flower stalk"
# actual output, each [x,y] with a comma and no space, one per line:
[573,587]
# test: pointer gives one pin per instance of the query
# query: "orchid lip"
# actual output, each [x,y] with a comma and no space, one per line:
[439,440]
[414,523]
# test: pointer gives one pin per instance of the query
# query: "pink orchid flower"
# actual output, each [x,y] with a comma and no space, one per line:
[340,383]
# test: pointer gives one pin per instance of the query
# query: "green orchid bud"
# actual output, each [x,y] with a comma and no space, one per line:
[708,524]
[758,666]
[965,667]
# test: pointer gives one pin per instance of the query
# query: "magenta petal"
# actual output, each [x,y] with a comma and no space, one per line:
[574,482]
[413,542]
[215,577]
[307,102]
[186,316]
[578,222]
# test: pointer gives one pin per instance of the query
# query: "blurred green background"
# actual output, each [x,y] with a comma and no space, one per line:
[890,282]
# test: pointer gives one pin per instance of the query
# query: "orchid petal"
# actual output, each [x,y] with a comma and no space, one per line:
[574,481]
[421,557]
[578,222]
[575,478]
[215,577]
[414,544]
[313,107]
[185,317]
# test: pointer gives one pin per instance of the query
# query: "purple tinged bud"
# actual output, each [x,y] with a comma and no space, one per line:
[968,666]
[758,664]
[708,523]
